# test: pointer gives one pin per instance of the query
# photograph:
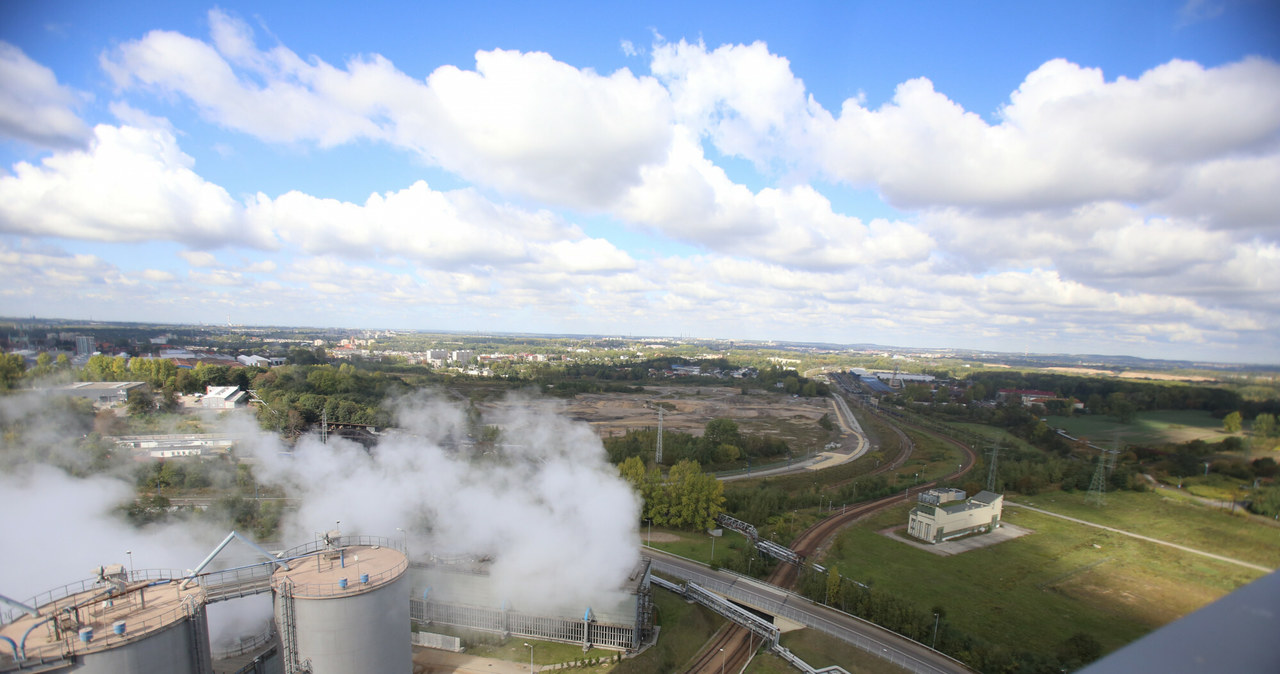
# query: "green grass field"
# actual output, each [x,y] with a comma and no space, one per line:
[1157,427]
[693,544]
[1033,592]
[1161,514]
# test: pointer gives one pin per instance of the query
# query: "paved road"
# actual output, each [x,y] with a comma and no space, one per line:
[1229,560]
[872,638]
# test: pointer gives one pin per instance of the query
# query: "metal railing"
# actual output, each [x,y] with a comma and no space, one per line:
[353,585]
[248,645]
[71,644]
[87,585]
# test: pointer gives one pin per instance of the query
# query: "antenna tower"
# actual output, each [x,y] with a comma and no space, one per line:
[657,454]
[1098,486]
[991,470]
[324,426]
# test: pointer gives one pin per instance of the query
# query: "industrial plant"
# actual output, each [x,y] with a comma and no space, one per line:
[340,604]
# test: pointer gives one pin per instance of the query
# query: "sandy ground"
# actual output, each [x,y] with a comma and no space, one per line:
[432,661]
[1006,532]
[1153,376]
[615,413]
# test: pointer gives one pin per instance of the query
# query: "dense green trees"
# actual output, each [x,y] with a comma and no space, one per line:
[1232,422]
[1264,425]
[1095,392]
[687,499]
[300,395]
[12,367]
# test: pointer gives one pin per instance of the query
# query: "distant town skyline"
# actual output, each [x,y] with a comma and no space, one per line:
[1084,178]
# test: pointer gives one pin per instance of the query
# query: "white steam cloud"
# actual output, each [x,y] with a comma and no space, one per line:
[542,502]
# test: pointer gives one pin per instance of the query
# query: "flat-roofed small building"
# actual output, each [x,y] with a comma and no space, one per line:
[102,392]
[943,514]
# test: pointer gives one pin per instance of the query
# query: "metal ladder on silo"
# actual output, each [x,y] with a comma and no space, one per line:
[197,622]
[289,632]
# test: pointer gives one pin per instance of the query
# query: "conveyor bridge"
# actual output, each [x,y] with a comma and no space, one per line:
[779,552]
[724,607]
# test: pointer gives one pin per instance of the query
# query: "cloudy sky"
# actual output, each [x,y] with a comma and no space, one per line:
[1084,177]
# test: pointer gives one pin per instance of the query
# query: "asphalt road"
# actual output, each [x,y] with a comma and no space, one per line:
[893,647]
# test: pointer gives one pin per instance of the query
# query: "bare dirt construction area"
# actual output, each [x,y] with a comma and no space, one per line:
[688,409]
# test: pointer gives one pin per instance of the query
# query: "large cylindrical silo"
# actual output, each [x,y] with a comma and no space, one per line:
[344,608]
[111,625]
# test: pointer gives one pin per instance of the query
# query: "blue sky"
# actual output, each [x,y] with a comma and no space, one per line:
[1080,177]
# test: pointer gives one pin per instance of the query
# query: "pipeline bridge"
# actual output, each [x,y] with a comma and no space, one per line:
[755,596]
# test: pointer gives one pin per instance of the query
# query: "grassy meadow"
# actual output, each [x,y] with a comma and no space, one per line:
[1151,428]
[1035,591]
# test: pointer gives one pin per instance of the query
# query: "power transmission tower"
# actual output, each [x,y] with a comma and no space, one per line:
[1098,486]
[324,426]
[1112,455]
[657,454]
[991,470]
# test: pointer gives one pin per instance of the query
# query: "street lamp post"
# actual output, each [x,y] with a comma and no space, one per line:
[405,534]
[721,661]
[650,541]
[713,548]
[935,631]
[130,553]
[530,656]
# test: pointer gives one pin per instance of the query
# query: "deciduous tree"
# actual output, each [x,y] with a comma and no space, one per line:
[1264,425]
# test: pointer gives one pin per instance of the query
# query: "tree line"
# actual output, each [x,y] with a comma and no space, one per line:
[721,443]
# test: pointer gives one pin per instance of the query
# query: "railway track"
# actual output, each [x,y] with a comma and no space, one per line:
[729,651]
[810,541]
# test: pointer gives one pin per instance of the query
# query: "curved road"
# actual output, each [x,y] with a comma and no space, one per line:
[731,646]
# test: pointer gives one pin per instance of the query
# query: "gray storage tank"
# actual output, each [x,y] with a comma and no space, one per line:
[346,610]
[115,623]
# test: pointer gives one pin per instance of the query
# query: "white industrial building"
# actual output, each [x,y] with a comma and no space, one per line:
[224,398]
[261,361]
[943,514]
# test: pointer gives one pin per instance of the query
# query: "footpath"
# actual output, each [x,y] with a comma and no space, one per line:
[1221,558]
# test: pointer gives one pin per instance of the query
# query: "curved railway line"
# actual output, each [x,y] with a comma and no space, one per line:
[733,641]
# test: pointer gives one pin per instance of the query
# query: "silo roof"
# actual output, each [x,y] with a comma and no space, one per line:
[151,601]
[323,574]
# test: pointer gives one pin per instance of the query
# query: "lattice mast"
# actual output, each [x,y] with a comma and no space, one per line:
[991,470]
[657,453]
[1098,486]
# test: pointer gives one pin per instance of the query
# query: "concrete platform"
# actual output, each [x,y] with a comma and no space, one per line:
[1006,532]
